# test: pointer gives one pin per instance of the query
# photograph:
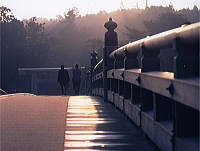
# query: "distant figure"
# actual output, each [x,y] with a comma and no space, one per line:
[63,79]
[76,79]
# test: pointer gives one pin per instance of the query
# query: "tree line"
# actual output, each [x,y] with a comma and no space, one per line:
[68,39]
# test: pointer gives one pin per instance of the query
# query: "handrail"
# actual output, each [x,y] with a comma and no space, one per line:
[2,92]
[189,34]
[155,82]
[98,64]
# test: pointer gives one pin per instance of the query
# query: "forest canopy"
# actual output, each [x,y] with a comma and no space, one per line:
[41,42]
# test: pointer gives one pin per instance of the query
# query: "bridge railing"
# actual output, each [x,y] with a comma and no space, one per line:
[155,82]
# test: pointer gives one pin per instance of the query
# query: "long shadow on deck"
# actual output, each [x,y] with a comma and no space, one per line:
[92,124]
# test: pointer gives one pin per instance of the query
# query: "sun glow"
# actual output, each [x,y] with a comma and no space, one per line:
[52,8]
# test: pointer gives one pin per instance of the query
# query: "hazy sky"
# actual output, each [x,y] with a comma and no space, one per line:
[51,8]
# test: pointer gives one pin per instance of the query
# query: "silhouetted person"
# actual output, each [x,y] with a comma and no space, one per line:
[63,79]
[76,79]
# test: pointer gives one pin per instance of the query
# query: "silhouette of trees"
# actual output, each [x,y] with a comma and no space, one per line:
[71,37]
[22,45]
[12,42]
[6,14]
[33,28]
[36,42]
[70,16]
[95,44]
[192,15]
[195,14]
[155,20]
[133,34]
[164,22]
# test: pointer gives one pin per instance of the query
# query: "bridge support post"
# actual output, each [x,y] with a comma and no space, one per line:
[105,83]
[118,62]
[93,63]
[130,61]
[186,63]
[106,65]
[110,44]
[149,60]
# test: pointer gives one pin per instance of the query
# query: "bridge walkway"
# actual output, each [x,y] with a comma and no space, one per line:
[92,124]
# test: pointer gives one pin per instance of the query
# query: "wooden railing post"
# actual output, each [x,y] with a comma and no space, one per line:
[149,60]
[130,61]
[186,62]
[153,98]
[105,83]
[110,44]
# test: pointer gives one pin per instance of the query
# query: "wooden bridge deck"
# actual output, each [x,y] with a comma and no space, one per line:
[30,122]
[92,124]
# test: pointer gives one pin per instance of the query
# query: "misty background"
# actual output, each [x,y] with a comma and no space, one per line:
[69,39]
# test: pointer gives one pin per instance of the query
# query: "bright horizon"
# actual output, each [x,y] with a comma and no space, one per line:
[50,9]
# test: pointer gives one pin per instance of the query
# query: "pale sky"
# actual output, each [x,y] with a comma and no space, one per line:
[52,8]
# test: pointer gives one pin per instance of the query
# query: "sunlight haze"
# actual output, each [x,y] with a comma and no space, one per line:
[52,8]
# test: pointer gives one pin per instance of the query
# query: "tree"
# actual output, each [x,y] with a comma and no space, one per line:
[165,21]
[133,34]
[94,43]
[34,30]
[69,17]
[12,44]
[36,43]
[195,14]
[6,14]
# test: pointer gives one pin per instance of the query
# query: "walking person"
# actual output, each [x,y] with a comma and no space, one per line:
[76,79]
[63,79]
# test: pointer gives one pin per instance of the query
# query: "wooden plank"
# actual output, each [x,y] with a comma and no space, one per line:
[92,124]
[118,74]
[32,123]
[110,73]
[131,76]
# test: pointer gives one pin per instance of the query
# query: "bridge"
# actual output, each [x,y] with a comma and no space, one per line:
[143,96]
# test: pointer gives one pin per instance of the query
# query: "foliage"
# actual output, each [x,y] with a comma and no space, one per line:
[70,38]
[21,46]
[133,34]
[70,16]
[6,14]
[12,46]
[164,22]
[36,42]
